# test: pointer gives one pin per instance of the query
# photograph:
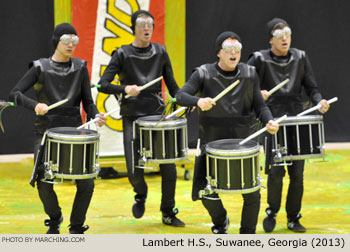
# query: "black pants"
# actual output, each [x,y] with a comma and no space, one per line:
[49,199]
[136,175]
[295,190]
[214,206]
[250,211]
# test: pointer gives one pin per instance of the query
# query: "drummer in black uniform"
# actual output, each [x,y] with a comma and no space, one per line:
[274,65]
[54,79]
[232,116]
[136,64]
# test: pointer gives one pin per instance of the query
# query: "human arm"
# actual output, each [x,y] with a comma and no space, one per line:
[186,95]
[262,110]
[255,61]
[87,100]
[113,68]
[23,85]
[168,76]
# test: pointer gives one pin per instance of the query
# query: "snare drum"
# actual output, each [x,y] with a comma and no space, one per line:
[162,141]
[233,168]
[71,153]
[299,138]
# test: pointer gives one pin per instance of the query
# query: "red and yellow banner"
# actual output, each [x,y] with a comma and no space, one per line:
[103,26]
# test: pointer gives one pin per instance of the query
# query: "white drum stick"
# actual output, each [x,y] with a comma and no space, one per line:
[148,84]
[175,112]
[96,119]
[317,107]
[55,105]
[278,86]
[261,131]
[225,91]
[198,147]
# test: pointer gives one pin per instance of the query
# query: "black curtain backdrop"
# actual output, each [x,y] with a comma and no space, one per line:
[321,28]
[26,32]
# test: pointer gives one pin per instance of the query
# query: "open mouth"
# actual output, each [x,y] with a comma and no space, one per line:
[233,59]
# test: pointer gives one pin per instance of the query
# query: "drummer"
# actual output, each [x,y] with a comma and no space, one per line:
[136,64]
[232,116]
[274,65]
[54,79]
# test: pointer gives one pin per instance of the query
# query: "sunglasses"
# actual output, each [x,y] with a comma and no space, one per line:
[66,39]
[279,33]
[228,46]
[141,21]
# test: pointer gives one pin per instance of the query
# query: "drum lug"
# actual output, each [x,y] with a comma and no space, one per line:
[146,153]
[49,174]
[142,161]
[206,191]
[211,182]
[51,166]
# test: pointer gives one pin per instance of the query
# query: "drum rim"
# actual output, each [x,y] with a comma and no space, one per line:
[66,137]
[305,119]
[238,191]
[156,124]
[255,150]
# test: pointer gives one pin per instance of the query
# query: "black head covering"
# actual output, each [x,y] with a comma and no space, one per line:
[135,15]
[222,37]
[64,28]
[270,26]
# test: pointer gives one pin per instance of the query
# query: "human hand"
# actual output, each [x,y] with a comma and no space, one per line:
[101,119]
[324,106]
[41,109]
[132,90]
[205,103]
[265,94]
[272,127]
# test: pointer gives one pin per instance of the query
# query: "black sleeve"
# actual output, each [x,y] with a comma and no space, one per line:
[113,68]
[186,95]
[168,76]
[259,104]
[25,83]
[88,102]
[310,84]
[256,62]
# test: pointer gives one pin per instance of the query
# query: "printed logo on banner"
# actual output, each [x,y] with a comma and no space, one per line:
[112,31]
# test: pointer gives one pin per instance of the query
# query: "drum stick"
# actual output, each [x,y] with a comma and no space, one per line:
[261,131]
[96,119]
[57,104]
[175,112]
[148,84]
[198,147]
[226,90]
[317,107]
[216,98]
[278,86]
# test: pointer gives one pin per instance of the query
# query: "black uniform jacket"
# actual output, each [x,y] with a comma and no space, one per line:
[233,116]
[137,66]
[53,82]
[272,70]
